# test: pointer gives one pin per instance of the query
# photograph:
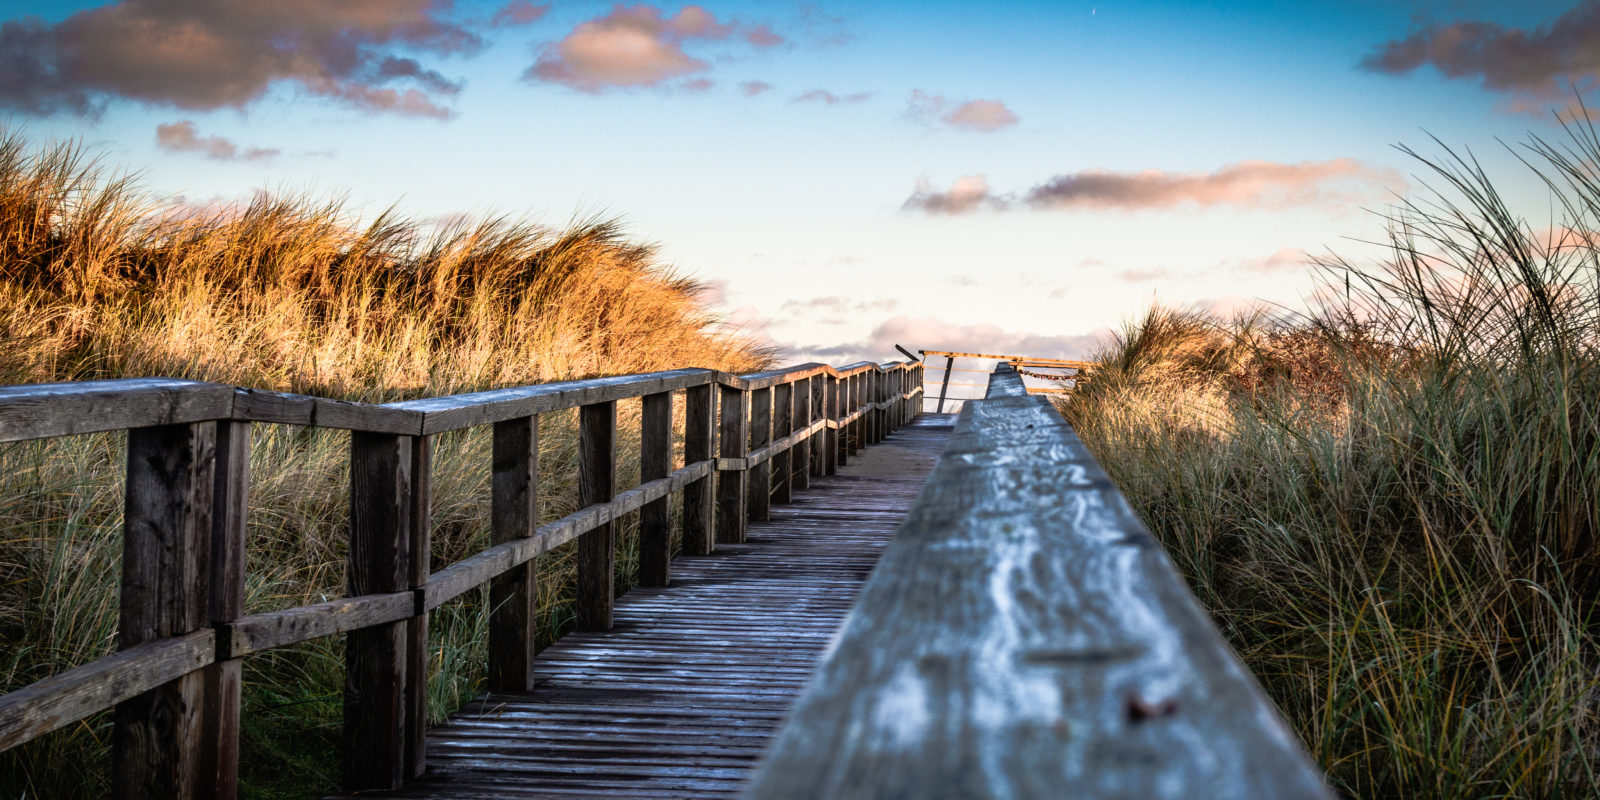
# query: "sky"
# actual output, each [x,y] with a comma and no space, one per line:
[997,177]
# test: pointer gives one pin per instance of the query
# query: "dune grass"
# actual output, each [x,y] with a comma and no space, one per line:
[100,279]
[1390,504]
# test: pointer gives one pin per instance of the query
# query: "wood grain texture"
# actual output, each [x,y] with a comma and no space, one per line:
[655,462]
[513,593]
[699,435]
[418,566]
[218,765]
[783,397]
[271,629]
[483,408]
[733,434]
[680,699]
[758,498]
[374,732]
[166,557]
[257,405]
[1015,636]
[42,410]
[597,548]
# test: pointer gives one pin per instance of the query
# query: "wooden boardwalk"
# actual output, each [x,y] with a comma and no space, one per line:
[681,698]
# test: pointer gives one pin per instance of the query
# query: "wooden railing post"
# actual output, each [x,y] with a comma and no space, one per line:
[375,708]
[420,565]
[698,436]
[733,437]
[219,737]
[854,406]
[800,462]
[514,595]
[783,397]
[655,462]
[597,550]
[167,535]
[759,501]
[833,456]
[819,410]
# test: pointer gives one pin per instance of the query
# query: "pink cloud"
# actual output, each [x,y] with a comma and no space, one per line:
[637,46]
[208,54]
[968,193]
[984,116]
[753,88]
[181,137]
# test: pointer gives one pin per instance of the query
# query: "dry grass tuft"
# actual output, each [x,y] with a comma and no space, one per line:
[100,280]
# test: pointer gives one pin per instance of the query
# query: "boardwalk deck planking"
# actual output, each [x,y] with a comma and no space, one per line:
[680,698]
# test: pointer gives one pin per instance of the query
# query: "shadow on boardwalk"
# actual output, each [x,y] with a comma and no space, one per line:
[681,698]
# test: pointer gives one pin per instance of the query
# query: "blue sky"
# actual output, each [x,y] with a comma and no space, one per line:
[985,176]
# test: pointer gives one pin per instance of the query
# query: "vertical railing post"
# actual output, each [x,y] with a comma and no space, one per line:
[759,497]
[167,530]
[655,462]
[834,455]
[219,736]
[698,437]
[597,549]
[376,657]
[420,564]
[819,411]
[800,462]
[514,595]
[854,406]
[733,436]
[783,397]
[944,385]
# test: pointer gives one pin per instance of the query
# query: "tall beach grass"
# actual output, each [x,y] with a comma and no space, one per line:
[1390,504]
[100,279]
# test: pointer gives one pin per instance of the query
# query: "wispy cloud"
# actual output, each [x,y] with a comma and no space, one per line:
[208,54]
[519,12]
[828,98]
[1532,66]
[1246,184]
[753,88]
[984,116]
[181,137]
[638,46]
[928,333]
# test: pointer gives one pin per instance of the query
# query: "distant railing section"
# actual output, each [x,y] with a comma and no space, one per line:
[1061,375]
[175,681]
[1025,636]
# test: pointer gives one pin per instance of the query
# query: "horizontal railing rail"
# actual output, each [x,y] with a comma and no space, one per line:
[1025,636]
[748,440]
[1080,373]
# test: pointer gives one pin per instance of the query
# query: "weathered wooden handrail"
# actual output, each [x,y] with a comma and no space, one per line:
[1025,636]
[175,681]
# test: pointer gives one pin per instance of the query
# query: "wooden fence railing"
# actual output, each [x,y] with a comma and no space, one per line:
[1058,370]
[1025,636]
[174,682]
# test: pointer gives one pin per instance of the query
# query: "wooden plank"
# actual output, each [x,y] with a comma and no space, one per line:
[60,700]
[1025,636]
[42,410]
[1054,362]
[375,709]
[514,593]
[655,462]
[783,399]
[800,457]
[733,437]
[219,736]
[166,555]
[271,629]
[483,408]
[699,421]
[817,408]
[257,405]
[758,499]
[597,549]
[418,565]
[679,700]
